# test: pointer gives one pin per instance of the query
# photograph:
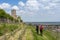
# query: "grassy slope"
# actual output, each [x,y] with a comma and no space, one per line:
[46,36]
[28,34]
[5,28]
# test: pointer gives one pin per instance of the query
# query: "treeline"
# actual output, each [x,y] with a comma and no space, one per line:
[6,17]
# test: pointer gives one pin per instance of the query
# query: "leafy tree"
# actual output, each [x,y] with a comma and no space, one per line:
[3,14]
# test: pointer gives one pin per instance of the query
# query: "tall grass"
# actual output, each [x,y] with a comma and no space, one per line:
[4,28]
[46,35]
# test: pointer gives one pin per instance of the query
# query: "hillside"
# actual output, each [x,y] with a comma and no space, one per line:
[22,31]
[27,32]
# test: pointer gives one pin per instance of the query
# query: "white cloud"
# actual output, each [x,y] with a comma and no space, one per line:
[52,4]
[46,0]
[43,8]
[21,3]
[15,7]
[21,11]
[46,7]
[51,13]
[55,0]
[5,5]
[35,5]
[32,5]
[35,9]
[1,7]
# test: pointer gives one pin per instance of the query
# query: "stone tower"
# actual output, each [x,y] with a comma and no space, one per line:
[13,13]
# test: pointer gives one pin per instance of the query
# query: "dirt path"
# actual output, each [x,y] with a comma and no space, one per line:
[28,35]
[16,35]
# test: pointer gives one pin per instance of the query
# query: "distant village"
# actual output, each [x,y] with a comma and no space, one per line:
[7,18]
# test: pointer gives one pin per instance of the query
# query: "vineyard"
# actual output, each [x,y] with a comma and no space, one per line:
[24,32]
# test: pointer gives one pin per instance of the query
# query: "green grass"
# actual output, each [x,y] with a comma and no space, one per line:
[46,35]
[36,36]
[4,28]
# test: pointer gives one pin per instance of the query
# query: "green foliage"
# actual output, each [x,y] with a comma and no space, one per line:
[16,20]
[19,17]
[4,28]
[21,20]
[3,14]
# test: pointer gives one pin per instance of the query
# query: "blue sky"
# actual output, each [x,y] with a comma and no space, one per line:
[12,2]
[34,10]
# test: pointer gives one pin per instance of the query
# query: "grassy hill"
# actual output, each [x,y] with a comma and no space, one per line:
[28,34]
[46,35]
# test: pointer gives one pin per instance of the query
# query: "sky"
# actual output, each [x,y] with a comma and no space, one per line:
[34,10]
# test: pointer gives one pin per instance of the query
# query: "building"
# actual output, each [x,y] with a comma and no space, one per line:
[13,13]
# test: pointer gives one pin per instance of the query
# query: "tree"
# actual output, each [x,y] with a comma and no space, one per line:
[5,15]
